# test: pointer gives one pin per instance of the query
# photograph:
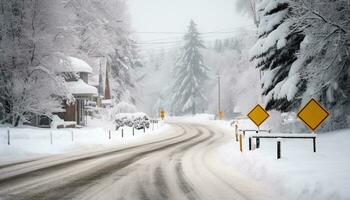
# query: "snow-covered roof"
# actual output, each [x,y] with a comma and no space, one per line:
[79,65]
[81,88]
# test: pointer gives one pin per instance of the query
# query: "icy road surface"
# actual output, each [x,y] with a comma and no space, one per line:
[181,164]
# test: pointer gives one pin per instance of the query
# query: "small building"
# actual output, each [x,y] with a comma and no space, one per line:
[76,76]
[76,73]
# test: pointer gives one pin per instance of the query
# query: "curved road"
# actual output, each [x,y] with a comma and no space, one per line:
[183,164]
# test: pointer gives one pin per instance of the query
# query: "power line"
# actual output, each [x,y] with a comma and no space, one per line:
[165,42]
[221,31]
[208,37]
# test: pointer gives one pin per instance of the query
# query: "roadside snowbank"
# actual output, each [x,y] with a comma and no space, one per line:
[301,173]
[30,143]
[198,118]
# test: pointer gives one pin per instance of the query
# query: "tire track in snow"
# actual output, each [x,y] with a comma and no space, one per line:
[66,191]
[161,183]
[11,178]
[215,174]
[19,163]
[183,183]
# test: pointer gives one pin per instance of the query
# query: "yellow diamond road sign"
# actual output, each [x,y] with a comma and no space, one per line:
[258,115]
[162,114]
[313,114]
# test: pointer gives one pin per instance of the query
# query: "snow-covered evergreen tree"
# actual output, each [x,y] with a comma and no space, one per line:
[274,54]
[190,74]
[325,55]
[124,63]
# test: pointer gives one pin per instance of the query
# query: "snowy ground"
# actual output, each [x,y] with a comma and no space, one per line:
[31,143]
[181,163]
[301,173]
[189,158]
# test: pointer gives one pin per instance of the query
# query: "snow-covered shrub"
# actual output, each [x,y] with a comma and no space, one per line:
[137,120]
[141,120]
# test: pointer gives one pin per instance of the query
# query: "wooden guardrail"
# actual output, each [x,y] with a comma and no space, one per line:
[279,137]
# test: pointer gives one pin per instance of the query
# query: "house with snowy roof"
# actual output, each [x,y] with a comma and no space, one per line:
[76,73]
[77,77]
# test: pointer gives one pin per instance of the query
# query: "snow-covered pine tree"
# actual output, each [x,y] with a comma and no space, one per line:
[274,53]
[190,75]
[325,55]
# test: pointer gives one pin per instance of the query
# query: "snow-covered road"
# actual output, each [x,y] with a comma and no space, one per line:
[182,164]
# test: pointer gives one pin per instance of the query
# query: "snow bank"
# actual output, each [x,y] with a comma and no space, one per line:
[198,118]
[301,173]
[29,142]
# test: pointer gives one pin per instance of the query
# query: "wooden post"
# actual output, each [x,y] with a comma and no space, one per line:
[122,132]
[314,143]
[8,136]
[240,143]
[144,128]
[278,149]
[257,143]
[72,136]
[109,132]
[236,132]
[250,143]
[244,133]
[133,131]
[51,138]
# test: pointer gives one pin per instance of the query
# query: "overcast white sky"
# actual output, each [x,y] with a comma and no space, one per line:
[174,16]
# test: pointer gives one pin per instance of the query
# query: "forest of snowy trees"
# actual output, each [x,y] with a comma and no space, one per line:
[298,49]
[36,36]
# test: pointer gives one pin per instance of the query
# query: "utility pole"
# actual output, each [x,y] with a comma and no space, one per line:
[219,106]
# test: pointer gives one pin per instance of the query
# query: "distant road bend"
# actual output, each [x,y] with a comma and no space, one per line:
[182,164]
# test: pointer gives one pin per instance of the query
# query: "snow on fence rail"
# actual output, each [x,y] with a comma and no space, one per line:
[269,135]
[36,138]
